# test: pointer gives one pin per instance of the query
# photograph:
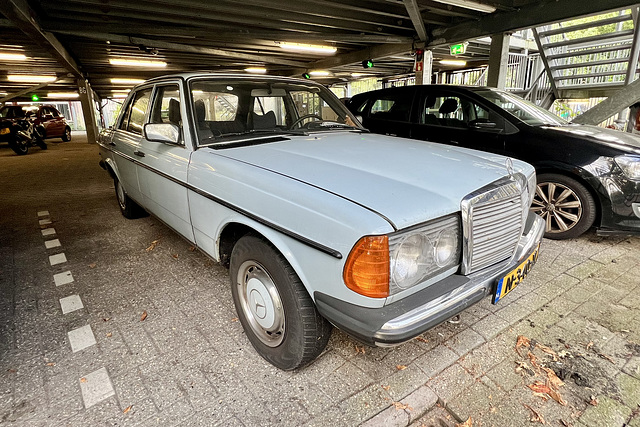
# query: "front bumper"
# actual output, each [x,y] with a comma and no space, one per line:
[409,317]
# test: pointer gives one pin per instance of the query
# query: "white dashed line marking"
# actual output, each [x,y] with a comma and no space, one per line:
[57,259]
[52,243]
[63,278]
[43,213]
[96,387]
[48,231]
[71,303]
[81,338]
[44,222]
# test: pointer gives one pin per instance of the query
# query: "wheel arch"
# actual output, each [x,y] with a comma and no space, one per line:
[579,175]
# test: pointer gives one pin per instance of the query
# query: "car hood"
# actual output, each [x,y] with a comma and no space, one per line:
[405,181]
[609,137]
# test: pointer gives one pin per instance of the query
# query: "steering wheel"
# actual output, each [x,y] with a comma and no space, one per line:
[306,116]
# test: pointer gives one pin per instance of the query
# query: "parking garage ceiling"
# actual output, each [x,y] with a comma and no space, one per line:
[77,38]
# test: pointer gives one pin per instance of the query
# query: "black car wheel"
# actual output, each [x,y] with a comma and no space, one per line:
[128,207]
[565,204]
[275,310]
[20,146]
[66,136]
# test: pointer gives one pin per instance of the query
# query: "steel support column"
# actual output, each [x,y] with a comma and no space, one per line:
[88,110]
[423,77]
[498,60]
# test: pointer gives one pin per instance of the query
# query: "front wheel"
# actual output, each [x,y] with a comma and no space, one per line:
[275,310]
[19,146]
[128,207]
[565,204]
[66,136]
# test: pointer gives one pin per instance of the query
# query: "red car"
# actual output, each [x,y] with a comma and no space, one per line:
[54,123]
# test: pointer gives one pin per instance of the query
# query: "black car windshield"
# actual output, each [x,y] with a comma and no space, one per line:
[230,110]
[12,112]
[526,111]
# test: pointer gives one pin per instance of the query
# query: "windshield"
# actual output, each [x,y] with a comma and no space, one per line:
[231,110]
[12,112]
[526,111]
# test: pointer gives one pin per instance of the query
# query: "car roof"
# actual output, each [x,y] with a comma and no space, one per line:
[461,88]
[187,76]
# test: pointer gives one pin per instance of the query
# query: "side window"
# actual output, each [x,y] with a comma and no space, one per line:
[166,107]
[392,107]
[138,111]
[53,112]
[126,113]
[453,111]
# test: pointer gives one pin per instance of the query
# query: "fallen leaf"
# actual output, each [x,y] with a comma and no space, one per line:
[536,417]
[83,380]
[564,423]
[51,364]
[556,396]
[386,387]
[235,319]
[422,339]
[594,401]
[360,350]
[539,387]
[401,367]
[175,256]
[547,350]
[563,354]
[106,319]
[153,245]
[402,406]
[144,316]
[553,380]
[589,345]
[468,423]
[127,409]
[522,366]
[533,360]
[109,334]
[192,248]
[92,265]
[11,371]
[522,341]
[605,357]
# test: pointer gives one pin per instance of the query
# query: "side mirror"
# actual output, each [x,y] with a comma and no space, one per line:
[482,124]
[162,132]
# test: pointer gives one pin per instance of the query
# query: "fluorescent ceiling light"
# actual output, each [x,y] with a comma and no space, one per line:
[319,73]
[62,95]
[137,62]
[3,93]
[26,78]
[361,74]
[126,81]
[119,95]
[303,47]
[469,4]
[454,62]
[121,90]
[12,56]
[258,70]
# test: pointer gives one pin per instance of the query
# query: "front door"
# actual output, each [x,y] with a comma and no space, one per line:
[163,166]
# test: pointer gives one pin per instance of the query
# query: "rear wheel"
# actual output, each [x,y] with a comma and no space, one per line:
[128,207]
[275,310]
[66,136]
[20,146]
[565,204]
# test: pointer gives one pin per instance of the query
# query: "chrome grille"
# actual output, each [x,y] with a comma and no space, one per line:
[493,221]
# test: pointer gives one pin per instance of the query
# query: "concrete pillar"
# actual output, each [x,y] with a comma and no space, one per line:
[498,60]
[424,69]
[88,110]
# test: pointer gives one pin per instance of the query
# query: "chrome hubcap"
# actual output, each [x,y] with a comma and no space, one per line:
[261,303]
[121,195]
[558,205]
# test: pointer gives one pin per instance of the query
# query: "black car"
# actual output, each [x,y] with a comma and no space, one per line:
[586,174]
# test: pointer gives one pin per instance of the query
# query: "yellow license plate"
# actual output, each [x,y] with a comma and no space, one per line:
[514,277]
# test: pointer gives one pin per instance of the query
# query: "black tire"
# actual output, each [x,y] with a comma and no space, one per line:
[128,207]
[297,333]
[565,204]
[66,136]
[19,146]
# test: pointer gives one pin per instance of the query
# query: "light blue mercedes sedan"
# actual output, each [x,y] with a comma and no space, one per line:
[320,222]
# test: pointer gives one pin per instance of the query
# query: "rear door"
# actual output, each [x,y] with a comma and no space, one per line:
[163,166]
[125,142]
[388,112]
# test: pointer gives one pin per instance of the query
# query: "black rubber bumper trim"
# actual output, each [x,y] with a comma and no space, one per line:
[364,323]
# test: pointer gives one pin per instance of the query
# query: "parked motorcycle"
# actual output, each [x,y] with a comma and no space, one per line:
[21,133]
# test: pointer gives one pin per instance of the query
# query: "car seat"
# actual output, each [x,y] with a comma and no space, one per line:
[204,131]
[430,118]
[264,121]
[449,106]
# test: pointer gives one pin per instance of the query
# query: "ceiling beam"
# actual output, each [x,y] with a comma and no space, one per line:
[532,14]
[416,18]
[252,58]
[23,92]
[23,17]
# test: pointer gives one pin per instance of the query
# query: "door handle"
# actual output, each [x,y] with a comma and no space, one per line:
[112,143]
[139,153]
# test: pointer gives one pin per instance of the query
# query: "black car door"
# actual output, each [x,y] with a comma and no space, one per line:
[388,111]
[454,118]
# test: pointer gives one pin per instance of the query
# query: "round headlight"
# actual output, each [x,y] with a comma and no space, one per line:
[446,247]
[409,257]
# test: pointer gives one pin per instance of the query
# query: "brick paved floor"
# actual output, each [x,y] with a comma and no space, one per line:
[189,363]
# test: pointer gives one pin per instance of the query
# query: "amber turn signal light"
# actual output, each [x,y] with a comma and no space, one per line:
[367,268]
